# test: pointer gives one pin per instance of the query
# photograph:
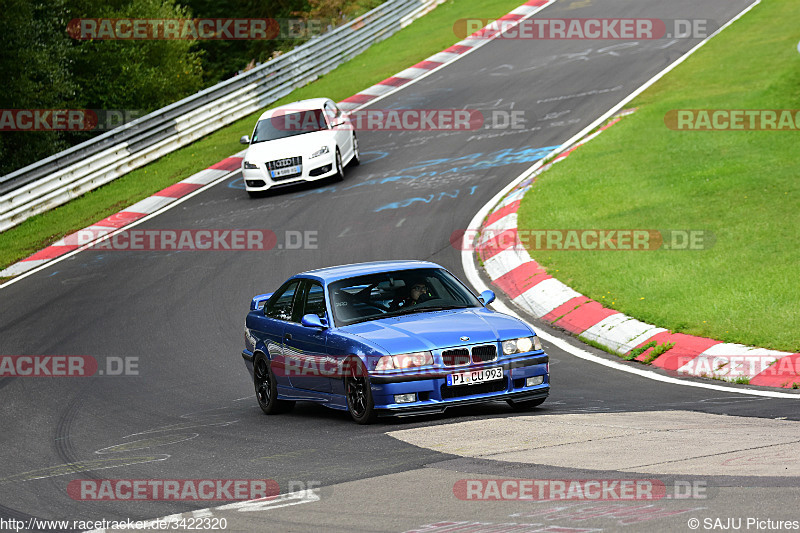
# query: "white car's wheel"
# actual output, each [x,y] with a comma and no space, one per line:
[356,154]
[339,176]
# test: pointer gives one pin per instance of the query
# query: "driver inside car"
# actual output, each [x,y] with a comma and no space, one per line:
[417,294]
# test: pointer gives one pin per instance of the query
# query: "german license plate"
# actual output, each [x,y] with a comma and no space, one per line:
[285,171]
[475,376]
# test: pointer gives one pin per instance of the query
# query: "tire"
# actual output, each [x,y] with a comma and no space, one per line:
[525,405]
[267,388]
[360,404]
[254,194]
[356,154]
[339,176]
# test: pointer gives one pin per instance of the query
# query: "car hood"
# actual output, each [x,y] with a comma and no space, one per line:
[297,145]
[439,329]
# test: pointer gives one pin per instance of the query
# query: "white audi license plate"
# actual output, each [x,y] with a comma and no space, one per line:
[475,376]
[285,171]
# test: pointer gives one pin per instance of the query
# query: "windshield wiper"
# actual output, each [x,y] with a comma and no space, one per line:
[434,308]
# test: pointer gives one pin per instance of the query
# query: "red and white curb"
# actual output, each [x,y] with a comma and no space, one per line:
[128,215]
[165,197]
[528,284]
[440,59]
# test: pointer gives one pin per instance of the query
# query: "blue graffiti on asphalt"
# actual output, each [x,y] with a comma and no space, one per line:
[426,199]
[484,161]
[461,164]
[475,161]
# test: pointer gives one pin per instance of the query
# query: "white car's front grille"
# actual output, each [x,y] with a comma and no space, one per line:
[285,162]
[286,168]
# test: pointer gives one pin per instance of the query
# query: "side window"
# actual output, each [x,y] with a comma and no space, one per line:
[315,300]
[331,113]
[280,305]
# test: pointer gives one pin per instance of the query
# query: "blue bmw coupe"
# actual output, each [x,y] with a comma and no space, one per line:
[389,338]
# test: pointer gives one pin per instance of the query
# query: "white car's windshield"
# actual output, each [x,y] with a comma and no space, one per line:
[288,125]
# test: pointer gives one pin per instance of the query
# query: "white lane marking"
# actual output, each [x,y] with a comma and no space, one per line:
[263,504]
[471,272]
[107,236]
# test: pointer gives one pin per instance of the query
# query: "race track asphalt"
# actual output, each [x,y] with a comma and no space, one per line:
[181,313]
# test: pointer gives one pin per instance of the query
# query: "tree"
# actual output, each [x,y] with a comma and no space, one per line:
[46,69]
[35,66]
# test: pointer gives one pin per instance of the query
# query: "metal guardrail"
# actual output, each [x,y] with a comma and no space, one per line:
[66,175]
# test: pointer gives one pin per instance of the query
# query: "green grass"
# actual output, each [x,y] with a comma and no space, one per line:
[426,36]
[742,186]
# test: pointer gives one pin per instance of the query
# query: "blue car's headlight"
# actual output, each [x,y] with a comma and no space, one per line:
[249,165]
[404,361]
[323,150]
[521,345]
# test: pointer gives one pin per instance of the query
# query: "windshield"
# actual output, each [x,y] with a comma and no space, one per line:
[288,125]
[397,293]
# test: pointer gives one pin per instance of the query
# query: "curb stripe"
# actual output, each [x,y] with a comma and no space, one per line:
[394,81]
[520,279]
[497,243]
[359,98]
[504,211]
[523,280]
[229,163]
[117,220]
[584,317]
[686,347]
[51,252]
[178,190]
[457,49]
[784,373]
[428,65]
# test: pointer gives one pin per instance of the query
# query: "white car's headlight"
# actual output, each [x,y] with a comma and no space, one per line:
[249,165]
[521,345]
[408,360]
[323,150]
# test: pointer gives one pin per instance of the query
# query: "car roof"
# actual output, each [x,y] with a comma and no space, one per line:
[334,273]
[300,105]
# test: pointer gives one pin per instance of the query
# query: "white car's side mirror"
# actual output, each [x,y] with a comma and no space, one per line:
[244,139]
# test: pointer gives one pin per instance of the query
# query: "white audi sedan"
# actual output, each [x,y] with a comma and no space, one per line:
[299,142]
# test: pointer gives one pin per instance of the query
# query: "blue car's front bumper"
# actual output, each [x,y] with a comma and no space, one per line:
[431,390]
[434,396]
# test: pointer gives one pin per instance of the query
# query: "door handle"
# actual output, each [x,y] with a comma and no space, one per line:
[288,336]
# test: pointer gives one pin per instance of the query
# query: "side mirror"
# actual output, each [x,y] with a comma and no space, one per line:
[244,139]
[487,297]
[312,321]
